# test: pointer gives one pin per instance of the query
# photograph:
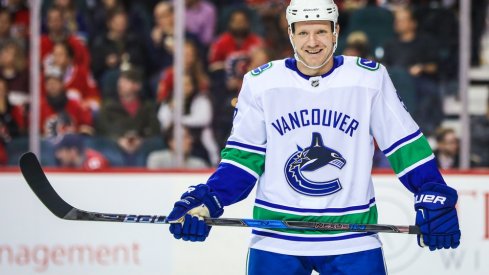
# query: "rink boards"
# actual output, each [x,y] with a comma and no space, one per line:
[33,241]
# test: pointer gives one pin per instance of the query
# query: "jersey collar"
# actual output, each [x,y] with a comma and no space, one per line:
[291,63]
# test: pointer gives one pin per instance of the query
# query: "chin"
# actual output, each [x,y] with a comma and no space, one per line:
[315,62]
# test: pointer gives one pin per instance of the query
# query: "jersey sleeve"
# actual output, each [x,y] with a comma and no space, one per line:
[243,158]
[401,140]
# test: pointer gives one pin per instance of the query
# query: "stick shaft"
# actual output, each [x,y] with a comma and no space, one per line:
[81,215]
[37,180]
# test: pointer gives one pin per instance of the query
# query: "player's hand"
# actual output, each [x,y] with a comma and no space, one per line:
[436,216]
[187,216]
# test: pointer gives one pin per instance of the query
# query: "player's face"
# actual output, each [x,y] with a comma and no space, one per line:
[314,41]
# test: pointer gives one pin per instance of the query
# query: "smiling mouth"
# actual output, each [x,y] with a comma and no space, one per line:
[313,51]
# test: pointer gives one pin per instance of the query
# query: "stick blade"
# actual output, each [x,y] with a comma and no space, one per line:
[34,175]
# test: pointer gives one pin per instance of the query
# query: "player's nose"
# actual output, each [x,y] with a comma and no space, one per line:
[312,41]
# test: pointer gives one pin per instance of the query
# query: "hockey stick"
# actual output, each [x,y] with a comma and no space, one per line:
[35,177]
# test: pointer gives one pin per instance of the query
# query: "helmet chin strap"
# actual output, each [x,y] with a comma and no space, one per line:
[296,55]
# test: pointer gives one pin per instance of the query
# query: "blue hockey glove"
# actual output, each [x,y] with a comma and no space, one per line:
[436,216]
[186,218]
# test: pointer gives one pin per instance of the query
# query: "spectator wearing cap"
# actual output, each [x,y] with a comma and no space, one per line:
[57,32]
[60,114]
[70,152]
[128,119]
[167,158]
[78,81]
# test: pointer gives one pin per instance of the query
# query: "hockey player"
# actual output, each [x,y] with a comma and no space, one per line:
[304,131]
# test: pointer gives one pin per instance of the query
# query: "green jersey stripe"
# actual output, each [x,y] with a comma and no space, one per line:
[253,161]
[409,154]
[368,217]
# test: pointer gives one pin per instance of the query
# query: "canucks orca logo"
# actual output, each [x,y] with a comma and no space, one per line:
[311,159]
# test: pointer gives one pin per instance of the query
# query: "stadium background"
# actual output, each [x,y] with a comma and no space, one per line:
[84,46]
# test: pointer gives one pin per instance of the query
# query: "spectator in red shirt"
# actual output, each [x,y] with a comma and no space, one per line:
[78,81]
[58,112]
[70,152]
[238,38]
[57,32]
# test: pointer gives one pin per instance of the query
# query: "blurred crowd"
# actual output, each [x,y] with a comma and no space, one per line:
[107,73]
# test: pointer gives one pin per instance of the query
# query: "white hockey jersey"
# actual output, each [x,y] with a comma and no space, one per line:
[308,142]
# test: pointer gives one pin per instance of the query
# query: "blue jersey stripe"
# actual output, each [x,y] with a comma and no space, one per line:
[426,172]
[399,142]
[310,239]
[239,144]
[327,210]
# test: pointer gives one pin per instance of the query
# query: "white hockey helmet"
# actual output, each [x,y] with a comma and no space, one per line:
[310,10]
